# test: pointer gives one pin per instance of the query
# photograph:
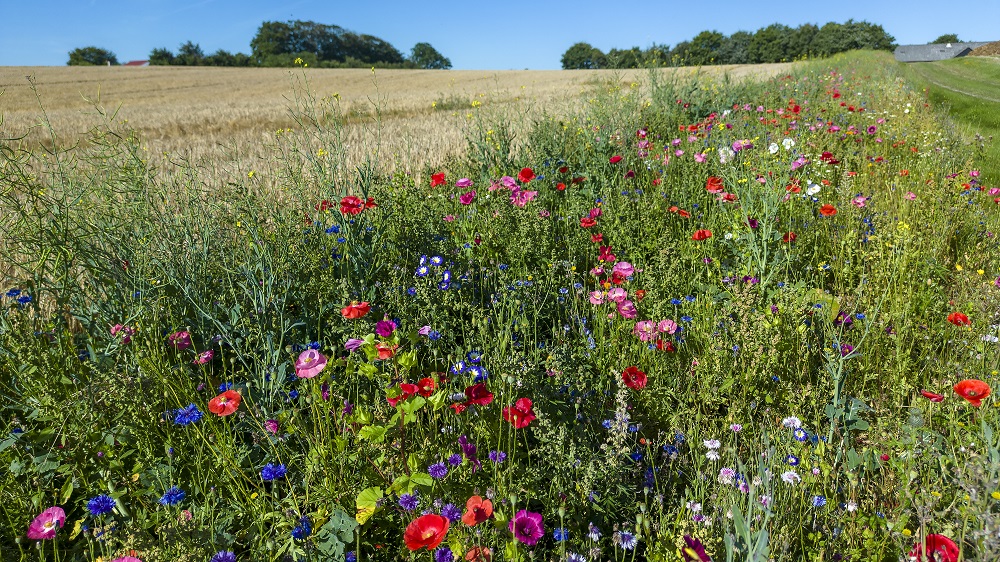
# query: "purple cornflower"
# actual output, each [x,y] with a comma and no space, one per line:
[409,502]
[438,470]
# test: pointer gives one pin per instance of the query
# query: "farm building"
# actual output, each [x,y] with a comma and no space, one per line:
[935,51]
[137,63]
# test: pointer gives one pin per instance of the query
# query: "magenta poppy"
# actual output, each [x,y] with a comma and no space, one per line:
[466,198]
[527,527]
[44,526]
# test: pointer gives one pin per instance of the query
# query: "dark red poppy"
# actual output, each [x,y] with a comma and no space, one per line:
[938,548]
[634,378]
[959,319]
[525,175]
[351,205]
[355,310]
[700,235]
[225,403]
[324,205]
[477,510]
[425,386]
[640,294]
[426,531]
[615,159]
[475,395]
[828,210]
[578,179]
[599,237]
[973,390]
[437,179]
[789,237]
[563,169]
[667,346]
[932,396]
[714,185]
[587,222]
[520,414]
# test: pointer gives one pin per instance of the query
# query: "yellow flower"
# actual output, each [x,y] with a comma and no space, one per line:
[980,271]
[958,267]
[995,495]
[907,532]
[250,175]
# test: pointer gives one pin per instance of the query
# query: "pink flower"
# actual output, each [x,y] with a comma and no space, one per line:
[623,268]
[597,271]
[667,326]
[617,294]
[204,357]
[309,364]
[385,327]
[449,218]
[520,197]
[464,182]
[126,332]
[544,213]
[424,330]
[859,201]
[910,195]
[127,559]
[699,158]
[597,297]
[271,426]
[994,190]
[354,344]
[595,212]
[645,329]
[678,152]
[466,198]
[44,526]
[627,310]
[509,182]
[974,174]
[179,340]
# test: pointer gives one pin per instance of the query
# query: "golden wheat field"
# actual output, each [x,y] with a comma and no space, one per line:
[196,112]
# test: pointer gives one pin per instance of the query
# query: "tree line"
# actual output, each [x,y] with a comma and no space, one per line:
[774,43]
[286,44]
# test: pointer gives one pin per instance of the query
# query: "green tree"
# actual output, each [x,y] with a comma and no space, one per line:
[583,56]
[771,44]
[370,49]
[735,49]
[190,54]
[624,58]
[704,48]
[161,57]
[656,55]
[91,56]
[946,38]
[800,41]
[425,56]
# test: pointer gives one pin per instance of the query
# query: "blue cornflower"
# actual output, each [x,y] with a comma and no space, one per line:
[686,319]
[636,456]
[560,534]
[13,293]
[334,229]
[437,260]
[474,356]
[628,541]
[423,260]
[503,267]
[341,240]
[574,557]
[23,299]
[438,470]
[173,496]
[458,368]
[422,271]
[293,394]
[434,335]
[452,512]
[188,415]
[351,557]
[412,291]
[670,450]
[443,554]
[689,298]
[480,373]
[860,316]
[303,529]
[563,290]
[409,502]
[497,456]
[800,434]
[225,386]
[593,533]
[455,459]
[606,424]
[675,301]
[792,460]
[272,472]
[444,285]
[223,556]
[100,505]
[819,501]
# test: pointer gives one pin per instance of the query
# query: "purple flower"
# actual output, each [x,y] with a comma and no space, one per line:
[455,460]
[527,527]
[424,330]
[438,470]
[353,344]
[498,456]
[469,450]
[409,501]
[385,328]
[452,512]
[464,182]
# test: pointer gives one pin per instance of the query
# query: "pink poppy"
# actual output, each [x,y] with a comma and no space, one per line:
[179,340]
[596,297]
[309,364]
[466,198]
[204,357]
[623,268]
[617,294]
[667,326]
[645,329]
[464,182]
[44,526]
[627,310]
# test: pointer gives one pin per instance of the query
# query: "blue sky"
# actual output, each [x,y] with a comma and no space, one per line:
[509,34]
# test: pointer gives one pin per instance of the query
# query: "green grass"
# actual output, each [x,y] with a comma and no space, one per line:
[969,88]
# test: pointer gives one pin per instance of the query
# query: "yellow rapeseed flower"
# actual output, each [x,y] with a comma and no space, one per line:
[995,495]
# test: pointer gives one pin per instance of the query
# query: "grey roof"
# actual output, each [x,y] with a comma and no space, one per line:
[935,51]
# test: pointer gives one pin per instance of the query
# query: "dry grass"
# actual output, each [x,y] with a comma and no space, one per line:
[194,111]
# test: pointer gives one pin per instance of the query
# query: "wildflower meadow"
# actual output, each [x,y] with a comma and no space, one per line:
[688,319]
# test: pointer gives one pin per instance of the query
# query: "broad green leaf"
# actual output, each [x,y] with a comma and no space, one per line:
[367,504]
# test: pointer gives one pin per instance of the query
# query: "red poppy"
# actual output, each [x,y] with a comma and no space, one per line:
[634,378]
[355,310]
[520,414]
[426,531]
[561,186]
[713,185]
[425,386]
[477,395]
[597,237]
[959,319]
[563,169]
[828,210]
[728,198]
[700,235]
[640,294]
[973,390]
[406,391]
[789,237]
[667,346]
[615,159]
[385,350]
[525,175]
[477,510]
[370,203]
[792,188]
[437,179]
[225,403]
[324,205]
[578,179]
[939,548]
[684,213]
[587,222]
[351,205]
[932,397]
[479,554]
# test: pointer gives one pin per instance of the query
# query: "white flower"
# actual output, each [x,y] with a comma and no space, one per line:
[815,471]
[736,428]
[813,189]
[725,154]
[790,477]
[773,148]
[791,422]
[852,506]
[727,476]
[712,443]
[712,455]
[729,236]
[694,506]
[788,143]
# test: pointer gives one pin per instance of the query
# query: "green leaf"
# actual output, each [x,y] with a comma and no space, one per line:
[334,536]
[407,360]
[374,433]
[421,479]
[853,459]
[438,399]
[67,491]
[367,504]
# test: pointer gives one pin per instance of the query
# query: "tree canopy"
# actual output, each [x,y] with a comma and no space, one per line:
[423,55]
[946,38]
[91,56]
